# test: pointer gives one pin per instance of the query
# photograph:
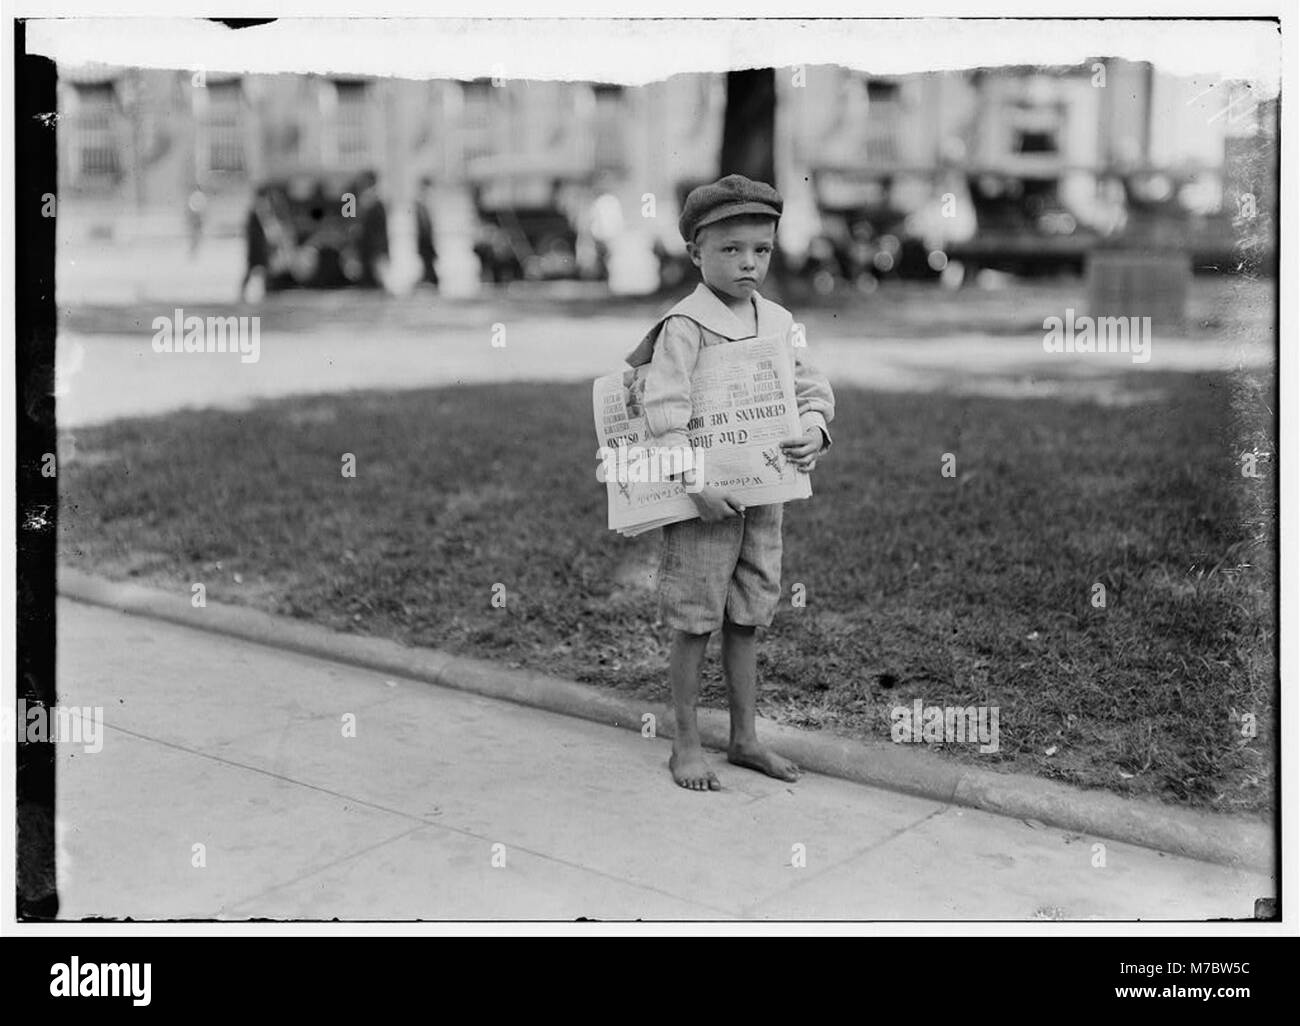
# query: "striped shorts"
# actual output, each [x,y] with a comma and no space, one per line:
[728,570]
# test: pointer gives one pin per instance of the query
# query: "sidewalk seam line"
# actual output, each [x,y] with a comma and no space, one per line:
[422,822]
[312,871]
[1237,842]
[749,910]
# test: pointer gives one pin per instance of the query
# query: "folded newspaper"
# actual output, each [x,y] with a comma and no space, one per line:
[742,407]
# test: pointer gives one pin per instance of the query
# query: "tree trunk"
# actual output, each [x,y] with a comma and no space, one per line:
[749,148]
[749,125]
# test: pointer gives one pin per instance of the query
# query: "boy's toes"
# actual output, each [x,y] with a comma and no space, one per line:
[764,760]
[690,771]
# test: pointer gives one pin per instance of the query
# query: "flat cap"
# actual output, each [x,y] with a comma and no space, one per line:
[727,197]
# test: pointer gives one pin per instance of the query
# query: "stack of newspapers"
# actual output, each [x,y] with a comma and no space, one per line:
[742,408]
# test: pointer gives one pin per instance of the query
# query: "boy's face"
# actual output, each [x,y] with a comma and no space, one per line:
[733,255]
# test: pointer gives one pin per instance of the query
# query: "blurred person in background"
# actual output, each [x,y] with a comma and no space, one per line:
[268,246]
[424,233]
[257,248]
[195,207]
[372,232]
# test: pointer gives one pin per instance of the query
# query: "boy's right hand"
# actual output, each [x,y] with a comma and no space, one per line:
[713,504]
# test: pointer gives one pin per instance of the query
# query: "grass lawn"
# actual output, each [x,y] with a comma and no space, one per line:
[972,590]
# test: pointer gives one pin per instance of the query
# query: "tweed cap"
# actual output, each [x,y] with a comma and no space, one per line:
[727,197]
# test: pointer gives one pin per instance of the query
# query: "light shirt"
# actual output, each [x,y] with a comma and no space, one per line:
[672,346]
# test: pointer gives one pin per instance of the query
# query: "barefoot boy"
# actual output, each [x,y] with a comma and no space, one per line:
[723,570]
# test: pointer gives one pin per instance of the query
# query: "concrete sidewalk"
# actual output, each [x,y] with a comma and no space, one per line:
[226,788]
[101,377]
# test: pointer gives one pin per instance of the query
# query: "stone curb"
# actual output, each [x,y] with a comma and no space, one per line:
[1222,839]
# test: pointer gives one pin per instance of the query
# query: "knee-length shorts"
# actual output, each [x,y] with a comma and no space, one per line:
[728,570]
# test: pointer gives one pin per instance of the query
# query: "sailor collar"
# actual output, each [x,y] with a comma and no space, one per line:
[708,311]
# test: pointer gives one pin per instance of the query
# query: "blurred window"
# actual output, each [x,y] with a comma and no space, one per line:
[610,120]
[352,120]
[476,119]
[884,121]
[95,130]
[225,126]
[1035,142]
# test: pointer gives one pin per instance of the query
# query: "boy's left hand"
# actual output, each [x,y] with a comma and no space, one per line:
[803,452]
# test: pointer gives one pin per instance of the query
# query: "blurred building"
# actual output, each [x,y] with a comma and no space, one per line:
[1038,164]
[140,141]
[1055,153]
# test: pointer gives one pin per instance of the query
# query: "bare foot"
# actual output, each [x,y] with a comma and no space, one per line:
[758,757]
[689,768]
